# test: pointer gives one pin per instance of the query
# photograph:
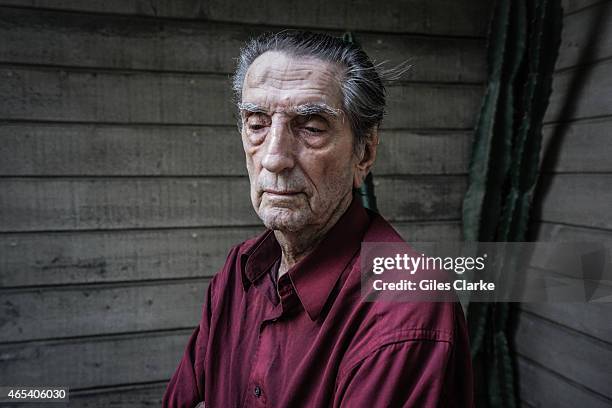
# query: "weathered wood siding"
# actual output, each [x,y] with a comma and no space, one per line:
[565,350]
[122,181]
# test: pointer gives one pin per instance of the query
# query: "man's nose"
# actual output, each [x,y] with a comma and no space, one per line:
[279,146]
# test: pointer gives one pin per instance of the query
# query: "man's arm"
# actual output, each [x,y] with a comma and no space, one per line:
[417,372]
[186,387]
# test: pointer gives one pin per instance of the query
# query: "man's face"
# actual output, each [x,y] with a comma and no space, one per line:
[298,143]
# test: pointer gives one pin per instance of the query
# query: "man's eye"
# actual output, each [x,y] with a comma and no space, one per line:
[257,121]
[313,129]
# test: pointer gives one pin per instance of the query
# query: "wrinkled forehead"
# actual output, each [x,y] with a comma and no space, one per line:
[279,81]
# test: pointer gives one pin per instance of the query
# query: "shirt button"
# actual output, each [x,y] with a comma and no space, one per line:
[257,391]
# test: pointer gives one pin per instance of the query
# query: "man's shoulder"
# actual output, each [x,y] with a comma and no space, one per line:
[384,322]
[380,230]
[439,324]
[414,320]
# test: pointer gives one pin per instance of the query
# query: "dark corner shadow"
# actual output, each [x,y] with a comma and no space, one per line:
[550,157]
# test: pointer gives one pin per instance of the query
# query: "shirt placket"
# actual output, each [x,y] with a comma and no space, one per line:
[257,393]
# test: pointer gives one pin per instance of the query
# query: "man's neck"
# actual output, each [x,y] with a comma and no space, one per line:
[296,246]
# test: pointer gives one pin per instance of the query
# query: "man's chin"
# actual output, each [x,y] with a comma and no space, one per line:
[283,219]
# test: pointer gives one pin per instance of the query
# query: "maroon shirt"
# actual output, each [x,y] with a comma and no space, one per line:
[318,344]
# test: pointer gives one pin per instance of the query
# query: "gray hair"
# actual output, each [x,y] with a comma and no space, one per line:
[362,87]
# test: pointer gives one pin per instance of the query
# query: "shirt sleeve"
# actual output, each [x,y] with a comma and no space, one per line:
[411,373]
[186,387]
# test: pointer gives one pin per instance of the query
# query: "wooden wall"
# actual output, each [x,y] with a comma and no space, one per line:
[122,184]
[565,350]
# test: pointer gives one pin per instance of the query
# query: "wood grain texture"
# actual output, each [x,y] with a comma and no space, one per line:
[95,362]
[573,6]
[569,344]
[542,388]
[592,319]
[432,106]
[58,95]
[440,17]
[101,309]
[546,231]
[429,231]
[593,99]
[411,152]
[119,42]
[77,96]
[99,150]
[554,241]
[137,396]
[579,358]
[69,258]
[576,40]
[60,204]
[585,146]
[32,204]
[107,150]
[420,197]
[579,199]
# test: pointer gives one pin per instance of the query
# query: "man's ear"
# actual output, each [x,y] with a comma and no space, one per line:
[366,158]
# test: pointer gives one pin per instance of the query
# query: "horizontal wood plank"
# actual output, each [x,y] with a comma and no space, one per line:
[572,6]
[126,396]
[547,231]
[33,204]
[60,204]
[579,44]
[589,318]
[95,150]
[559,247]
[95,362]
[117,42]
[58,95]
[410,152]
[137,396]
[592,319]
[594,96]
[541,388]
[429,231]
[31,314]
[440,17]
[39,259]
[584,146]
[579,199]
[579,358]
[420,198]
[76,96]
[432,106]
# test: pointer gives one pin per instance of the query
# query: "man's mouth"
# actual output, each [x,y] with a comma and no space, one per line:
[281,192]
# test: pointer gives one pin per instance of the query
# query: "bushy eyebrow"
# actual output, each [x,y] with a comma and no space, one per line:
[251,107]
[316,109]
[302,110]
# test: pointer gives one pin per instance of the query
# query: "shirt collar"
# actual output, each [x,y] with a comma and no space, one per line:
[314,276]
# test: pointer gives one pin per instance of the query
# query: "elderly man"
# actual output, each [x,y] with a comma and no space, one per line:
[283,322]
